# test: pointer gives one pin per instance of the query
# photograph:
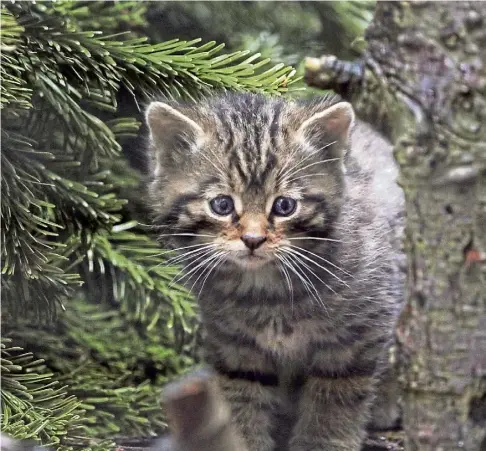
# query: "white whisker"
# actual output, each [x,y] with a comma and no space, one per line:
[168,227]
[218,262]
[313,238]
[313,164]
[207,268]
[286,275]
[323,259]
[177,249]
[305,265]
[195,260]
[211,162]
[188,234]
[292,251]
[303,278]
[196,267]
[306,176]
[302,160]
[177,259]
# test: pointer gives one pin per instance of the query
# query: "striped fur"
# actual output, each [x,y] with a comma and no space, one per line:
[298,331]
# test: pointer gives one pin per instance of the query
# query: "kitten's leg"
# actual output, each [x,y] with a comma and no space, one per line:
[332,413]
[248,382]
[385,413]
[253,408]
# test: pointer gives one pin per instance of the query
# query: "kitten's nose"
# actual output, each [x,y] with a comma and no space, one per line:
[253,240]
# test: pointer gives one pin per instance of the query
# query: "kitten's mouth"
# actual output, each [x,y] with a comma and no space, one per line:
[254,257]
[253,254]
[254,261]
[251,259]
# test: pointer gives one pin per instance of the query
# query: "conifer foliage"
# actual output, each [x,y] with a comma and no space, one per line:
[93,319]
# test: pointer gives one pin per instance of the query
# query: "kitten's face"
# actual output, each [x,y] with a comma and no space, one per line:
[244,180]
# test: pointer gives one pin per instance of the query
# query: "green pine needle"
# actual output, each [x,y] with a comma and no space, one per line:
[85,289]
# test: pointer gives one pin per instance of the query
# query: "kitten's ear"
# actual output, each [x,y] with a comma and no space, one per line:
[171,131]
[330,127]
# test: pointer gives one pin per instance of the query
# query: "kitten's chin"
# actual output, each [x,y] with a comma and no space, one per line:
[251,261]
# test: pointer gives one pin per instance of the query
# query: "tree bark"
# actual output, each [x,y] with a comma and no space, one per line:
[422,81]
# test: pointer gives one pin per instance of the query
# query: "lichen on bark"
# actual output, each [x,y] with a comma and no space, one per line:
[423,83]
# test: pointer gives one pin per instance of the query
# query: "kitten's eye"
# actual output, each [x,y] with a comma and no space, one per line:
[222,205]
[284,206]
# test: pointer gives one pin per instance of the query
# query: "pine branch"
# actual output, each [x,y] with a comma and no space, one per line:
[56,169]
[34,405]
[13,90]
[141,282]
[99,15]
[114,341]
[175,68]
[113,367]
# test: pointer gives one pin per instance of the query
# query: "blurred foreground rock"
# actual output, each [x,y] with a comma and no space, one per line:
[199,420]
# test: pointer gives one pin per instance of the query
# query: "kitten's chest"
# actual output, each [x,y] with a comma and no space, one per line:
[286,339]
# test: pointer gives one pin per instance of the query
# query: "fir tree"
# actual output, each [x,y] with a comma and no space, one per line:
[93,323]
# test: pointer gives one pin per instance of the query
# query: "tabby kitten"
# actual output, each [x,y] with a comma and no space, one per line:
[283,216]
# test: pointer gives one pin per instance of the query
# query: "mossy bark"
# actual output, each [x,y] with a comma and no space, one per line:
[422,81]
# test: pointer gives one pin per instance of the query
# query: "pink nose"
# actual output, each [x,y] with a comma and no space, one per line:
[253,241]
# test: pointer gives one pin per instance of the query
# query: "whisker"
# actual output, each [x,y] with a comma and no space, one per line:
[286,275]
[221,167]
[318,265]
[177,249]
[214,257]
[305,157]
[182,257]
[313,164]
[188,234]
[211,162]
[302,160]
[196,267]
[293,251]
[305,265]
[159,254]
[313,238]
[221,259]
[323,259]
[335,225]
[303,278]
[320,149]
[168,227]
[195,260]
[306,176]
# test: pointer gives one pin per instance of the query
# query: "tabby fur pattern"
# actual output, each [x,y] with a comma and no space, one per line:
[298,309]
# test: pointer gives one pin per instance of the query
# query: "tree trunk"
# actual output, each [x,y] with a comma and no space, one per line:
[422,81]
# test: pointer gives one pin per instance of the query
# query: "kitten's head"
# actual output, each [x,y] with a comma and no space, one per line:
[244,178]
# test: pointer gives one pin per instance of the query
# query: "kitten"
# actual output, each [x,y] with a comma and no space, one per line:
[284,216]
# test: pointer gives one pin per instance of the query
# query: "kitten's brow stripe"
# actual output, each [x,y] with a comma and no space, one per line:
[228,145]
[178,205]
[317,198]
[204,185]
[270,165]
[238,165]
[274,128]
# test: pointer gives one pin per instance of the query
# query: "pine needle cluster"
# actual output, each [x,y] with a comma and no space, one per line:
[93,323]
